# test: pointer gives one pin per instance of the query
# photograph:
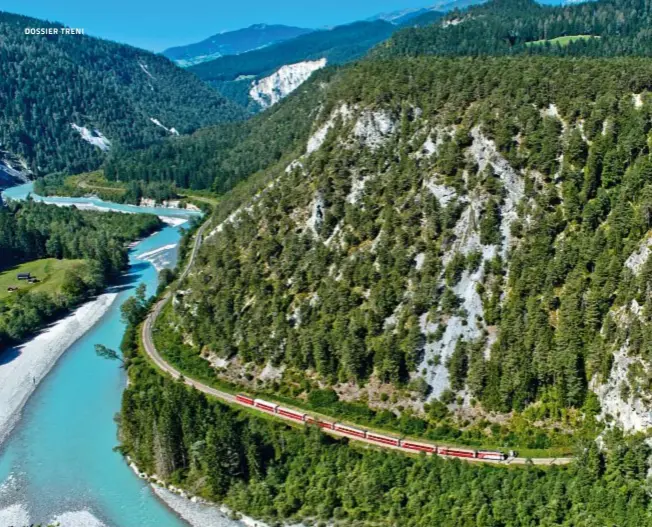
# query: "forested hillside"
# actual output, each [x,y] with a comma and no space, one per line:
[455,247]
[270,471]
[505,27]
[468,230]
[219,157]
[67,99]
[500,27]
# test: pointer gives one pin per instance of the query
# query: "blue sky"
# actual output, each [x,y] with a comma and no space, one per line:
[158,24]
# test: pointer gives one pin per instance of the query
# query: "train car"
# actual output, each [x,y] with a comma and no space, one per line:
[265,406]
[385,440]
[321,424]
[244,399]
[292,414]
[491,454]
[456,452]
[350,431]
[418,447]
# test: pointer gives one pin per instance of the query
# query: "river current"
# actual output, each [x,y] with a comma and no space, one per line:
[58,462]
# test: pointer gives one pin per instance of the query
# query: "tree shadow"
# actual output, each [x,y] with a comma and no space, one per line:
[9,354]
[129,279]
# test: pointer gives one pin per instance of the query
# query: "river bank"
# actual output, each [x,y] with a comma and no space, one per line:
[95,203]
[23,367]
[197,511]
[58,463]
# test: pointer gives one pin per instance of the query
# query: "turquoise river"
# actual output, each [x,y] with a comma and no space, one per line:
[59,457]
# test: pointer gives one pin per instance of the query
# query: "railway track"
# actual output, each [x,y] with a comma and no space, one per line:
[370,438]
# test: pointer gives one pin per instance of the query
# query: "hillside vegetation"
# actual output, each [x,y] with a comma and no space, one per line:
[451,238]
[219,157]
[462,229]
[505,27]
[261,467]
[48,83]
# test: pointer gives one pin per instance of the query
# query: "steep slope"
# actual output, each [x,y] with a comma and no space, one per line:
[235,75]
[270,90]
[457,230]
[232,43]
[67,99]
[220,157]
[505,27]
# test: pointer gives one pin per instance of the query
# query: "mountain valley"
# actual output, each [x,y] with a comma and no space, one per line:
[432,228]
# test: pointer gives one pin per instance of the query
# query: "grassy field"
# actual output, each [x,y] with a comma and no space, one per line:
[197,197]
[561,41]
[49,271]
[95,182]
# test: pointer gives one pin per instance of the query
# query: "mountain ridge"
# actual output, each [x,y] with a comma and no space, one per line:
[234,42]
[87,96]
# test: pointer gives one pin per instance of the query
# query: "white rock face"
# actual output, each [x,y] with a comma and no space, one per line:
[430,147]
[296,164]
[357,189]
[317,139]
[467,240]
[637,259]
[95,137]
[443,193]
[633,415]
[145,70]
[173,131]
[485,152]
[12,170]
[437,376]
[280,84]
[317,216]
[373,128]
[452,22]
[419,259]
[271,372]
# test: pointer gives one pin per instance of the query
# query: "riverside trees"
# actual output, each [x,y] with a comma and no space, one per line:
[32,231]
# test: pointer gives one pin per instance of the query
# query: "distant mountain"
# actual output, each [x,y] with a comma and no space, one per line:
[337,45]
[68,99]
[406,16]
[237,75]
[423,19]
[233,43]
[399,17]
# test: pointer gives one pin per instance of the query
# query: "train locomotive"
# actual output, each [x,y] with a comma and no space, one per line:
[380,439]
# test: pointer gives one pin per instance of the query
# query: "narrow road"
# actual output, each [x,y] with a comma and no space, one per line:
[155,356]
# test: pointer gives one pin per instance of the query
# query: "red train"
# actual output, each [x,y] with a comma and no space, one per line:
[346,430]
